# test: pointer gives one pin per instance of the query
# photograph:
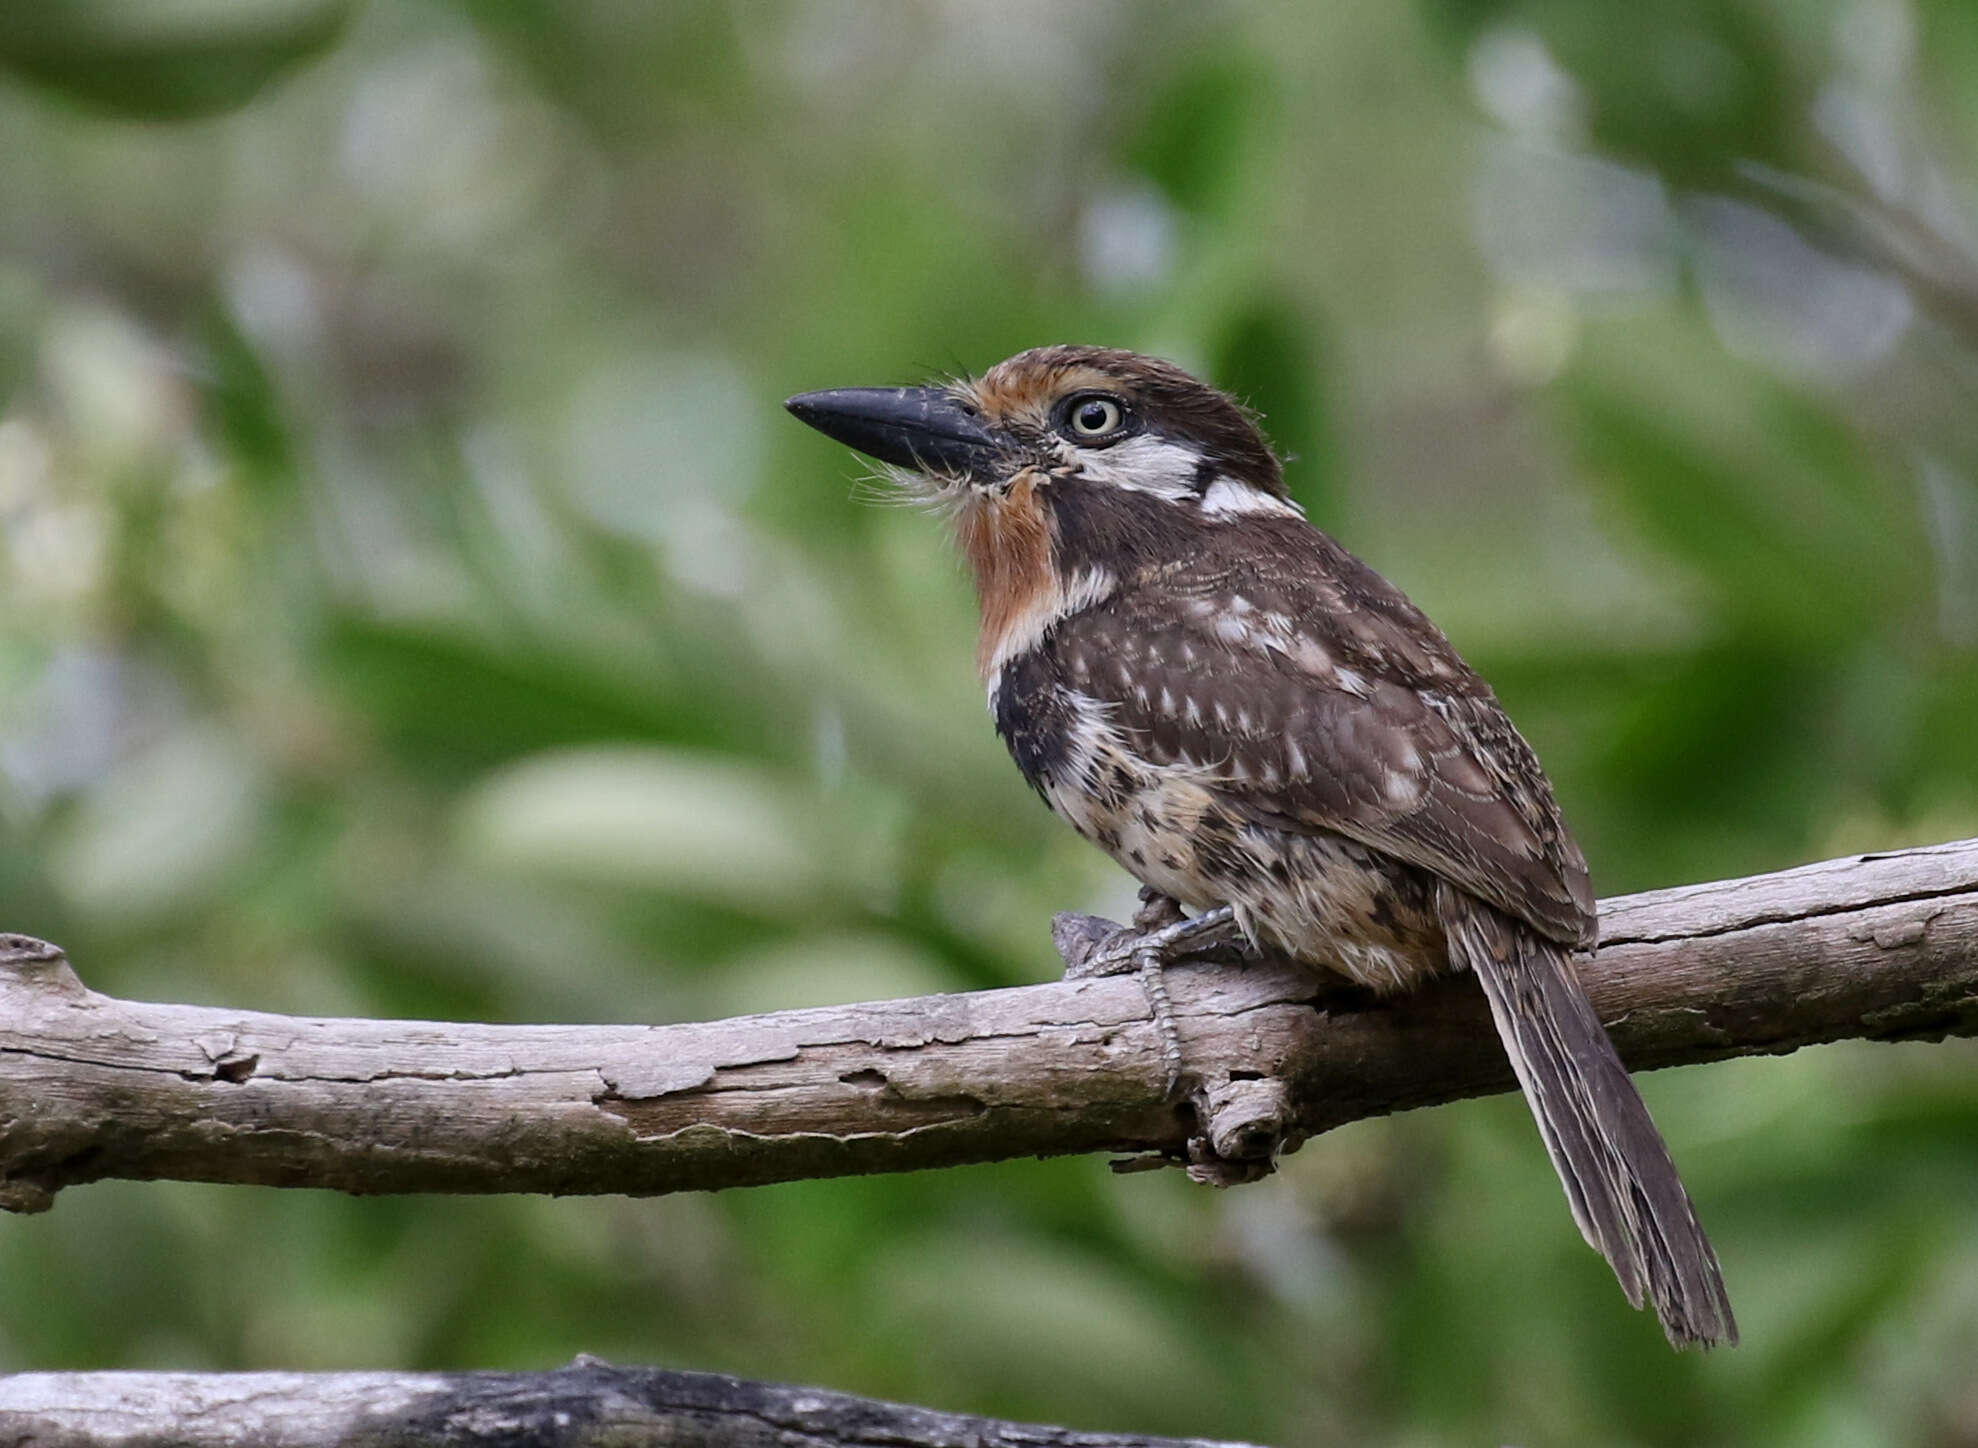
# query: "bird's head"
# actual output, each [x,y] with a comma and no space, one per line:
[1068,469]
[1092,415]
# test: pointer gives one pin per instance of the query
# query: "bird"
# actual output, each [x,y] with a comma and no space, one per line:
[1248,717]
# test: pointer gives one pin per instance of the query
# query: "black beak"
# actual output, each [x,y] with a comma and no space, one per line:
[923,428]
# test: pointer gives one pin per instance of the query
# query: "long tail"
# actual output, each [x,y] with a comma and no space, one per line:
[1626,1196]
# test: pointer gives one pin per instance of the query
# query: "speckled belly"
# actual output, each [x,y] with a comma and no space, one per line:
[1329,900]
[1314,895]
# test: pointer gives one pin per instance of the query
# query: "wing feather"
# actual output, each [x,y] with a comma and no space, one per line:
[1309,690]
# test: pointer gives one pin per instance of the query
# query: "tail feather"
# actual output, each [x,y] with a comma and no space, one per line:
[1623,1188]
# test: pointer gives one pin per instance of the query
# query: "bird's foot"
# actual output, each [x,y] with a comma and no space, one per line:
[1092,945]
[1160,935]
[1156,911]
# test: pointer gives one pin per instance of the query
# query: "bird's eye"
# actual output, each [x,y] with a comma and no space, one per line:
[1094,416]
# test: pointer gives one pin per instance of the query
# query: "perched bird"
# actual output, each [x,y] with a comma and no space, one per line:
[1243,714]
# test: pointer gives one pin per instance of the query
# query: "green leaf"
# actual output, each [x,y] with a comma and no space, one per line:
[1690,87]
[1766,495]
[1195,128]
[647,818]
[165,59]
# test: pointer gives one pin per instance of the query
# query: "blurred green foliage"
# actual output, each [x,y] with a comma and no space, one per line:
[164,59]
[418,604]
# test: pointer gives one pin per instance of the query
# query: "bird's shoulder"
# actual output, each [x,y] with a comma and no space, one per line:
[1315,695]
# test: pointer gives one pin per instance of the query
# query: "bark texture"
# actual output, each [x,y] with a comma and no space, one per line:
[1881,947]
[589,1404]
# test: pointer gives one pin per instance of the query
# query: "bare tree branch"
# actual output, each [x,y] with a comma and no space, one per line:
[1876,947]
[589,1404]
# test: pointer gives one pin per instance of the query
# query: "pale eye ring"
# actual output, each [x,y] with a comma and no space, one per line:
[1095,415]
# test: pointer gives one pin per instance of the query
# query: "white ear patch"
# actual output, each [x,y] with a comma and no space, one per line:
[1227,498]
[1144,464]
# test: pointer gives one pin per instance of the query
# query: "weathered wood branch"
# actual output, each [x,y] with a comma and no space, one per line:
[1876,947]
[589,1404]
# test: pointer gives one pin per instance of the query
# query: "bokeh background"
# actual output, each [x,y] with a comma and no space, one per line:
[417,603]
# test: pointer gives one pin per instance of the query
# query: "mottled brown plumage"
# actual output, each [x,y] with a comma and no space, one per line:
[1242,713]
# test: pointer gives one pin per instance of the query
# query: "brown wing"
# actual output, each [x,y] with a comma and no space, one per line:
[1317,696]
